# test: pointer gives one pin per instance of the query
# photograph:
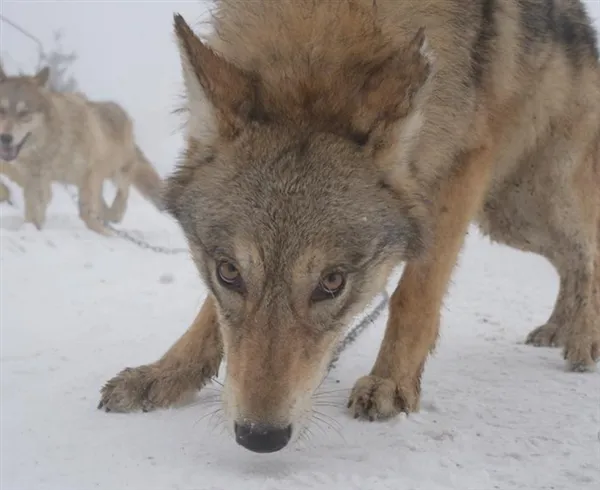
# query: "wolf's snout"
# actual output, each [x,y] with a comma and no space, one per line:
[262,438]
[6,139]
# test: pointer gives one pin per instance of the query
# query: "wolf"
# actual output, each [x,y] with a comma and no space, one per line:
[330,141]
[47,136]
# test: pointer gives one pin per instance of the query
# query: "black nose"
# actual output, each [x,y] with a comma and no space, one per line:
[6,139]
[262,438]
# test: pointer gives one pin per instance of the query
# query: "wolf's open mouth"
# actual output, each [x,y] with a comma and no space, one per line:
[8,153]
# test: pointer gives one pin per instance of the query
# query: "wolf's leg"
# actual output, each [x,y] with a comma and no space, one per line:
[37,195]
[582,345]
[186,367]
[394,384]
[551,334]
[575,321]
[566,233]
[104,210]
[115,213]
[91,202]
[597,272]
[572,243]
[596,291]
[5,193]
[579,267]
[13,174]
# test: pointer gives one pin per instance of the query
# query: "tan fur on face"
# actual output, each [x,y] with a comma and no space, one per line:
[277,345]
[272,376]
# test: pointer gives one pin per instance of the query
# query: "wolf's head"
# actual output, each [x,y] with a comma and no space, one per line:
[292,215]
[22,109]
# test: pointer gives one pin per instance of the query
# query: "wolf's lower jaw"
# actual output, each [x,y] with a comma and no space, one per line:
[8,155]
[11,153]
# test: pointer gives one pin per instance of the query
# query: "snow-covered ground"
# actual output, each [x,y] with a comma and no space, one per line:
[77,307]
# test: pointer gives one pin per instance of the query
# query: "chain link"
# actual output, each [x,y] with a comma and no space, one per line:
[129,236]
[144,244]
[358,329]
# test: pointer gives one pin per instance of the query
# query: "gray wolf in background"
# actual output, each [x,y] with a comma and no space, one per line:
[47,137]
[329,141]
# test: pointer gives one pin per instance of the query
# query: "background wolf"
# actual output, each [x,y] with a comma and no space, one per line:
[330,140]
[48,136]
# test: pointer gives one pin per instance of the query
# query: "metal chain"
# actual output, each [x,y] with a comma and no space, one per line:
[358,329]
[129,236]
[145,245]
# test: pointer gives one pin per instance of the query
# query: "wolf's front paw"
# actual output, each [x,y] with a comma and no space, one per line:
[143,388]
[36,222]
[582,352]
[97,226]
[375,398]
[549,335]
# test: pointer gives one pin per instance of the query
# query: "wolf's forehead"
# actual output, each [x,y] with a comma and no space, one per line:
[295,205]
[307,196]
[296,228]
[18,96]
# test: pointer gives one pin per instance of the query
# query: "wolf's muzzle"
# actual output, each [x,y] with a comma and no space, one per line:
[8,150]
[262,438]
[6,139]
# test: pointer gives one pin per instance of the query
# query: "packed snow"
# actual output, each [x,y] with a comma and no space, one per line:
[77,307]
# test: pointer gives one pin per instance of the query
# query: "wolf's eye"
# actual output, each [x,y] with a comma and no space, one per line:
[330,286]
[229,276]
[24,114]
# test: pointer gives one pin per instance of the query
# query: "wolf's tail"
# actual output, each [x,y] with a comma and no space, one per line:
[147,180]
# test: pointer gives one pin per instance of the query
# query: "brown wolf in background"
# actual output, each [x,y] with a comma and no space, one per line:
[47,136]
[328,141]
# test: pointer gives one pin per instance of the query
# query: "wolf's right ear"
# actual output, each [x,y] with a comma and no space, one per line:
[41,77]
[221,97]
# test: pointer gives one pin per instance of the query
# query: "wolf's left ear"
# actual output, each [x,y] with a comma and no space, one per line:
[42,76]
[389,91]
[221,97]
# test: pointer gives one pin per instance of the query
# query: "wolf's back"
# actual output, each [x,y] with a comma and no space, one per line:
[118,124]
